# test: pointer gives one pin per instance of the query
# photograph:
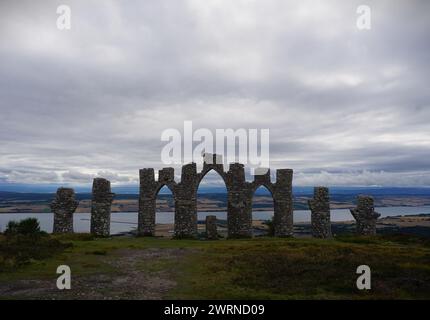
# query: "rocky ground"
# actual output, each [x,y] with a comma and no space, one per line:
[259,268]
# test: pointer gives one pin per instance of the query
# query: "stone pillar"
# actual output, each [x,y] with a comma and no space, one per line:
[211,228]
[100,207]
[63,207]
[185,219]
[283,203]
[320,208]
[239,206]
[147,203]
[365,216]
[186,203]
[146,217]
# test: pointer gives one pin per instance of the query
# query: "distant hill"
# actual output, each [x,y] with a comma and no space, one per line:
[217,201]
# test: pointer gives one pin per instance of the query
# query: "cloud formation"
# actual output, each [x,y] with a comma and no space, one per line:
[344,106]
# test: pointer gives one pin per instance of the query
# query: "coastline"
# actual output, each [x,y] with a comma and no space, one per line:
[300,208]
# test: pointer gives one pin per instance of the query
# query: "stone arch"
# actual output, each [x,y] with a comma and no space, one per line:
[212,162]
[186,195]
[269,188]
[239,202]
[205,171]
[170,186]
[165,194]
[148,191]
[220,175]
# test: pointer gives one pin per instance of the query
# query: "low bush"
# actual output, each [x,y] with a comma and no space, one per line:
[28,227]
[23,241]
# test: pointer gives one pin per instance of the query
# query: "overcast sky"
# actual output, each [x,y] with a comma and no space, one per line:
[344,106]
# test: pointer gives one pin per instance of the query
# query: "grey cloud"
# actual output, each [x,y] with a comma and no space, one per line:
[342,105]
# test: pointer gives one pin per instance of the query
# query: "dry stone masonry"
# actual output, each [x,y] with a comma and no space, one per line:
[365,216]
[239,203]
[101,207]
[63,207]
[211,228]
[239,206]
[320,209]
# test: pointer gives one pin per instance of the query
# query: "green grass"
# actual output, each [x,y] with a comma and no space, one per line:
[19,250]
[304,269]
[263,268]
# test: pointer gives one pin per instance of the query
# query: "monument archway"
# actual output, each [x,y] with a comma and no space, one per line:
[164,216]
[239,199]
[262,193]
[209,180]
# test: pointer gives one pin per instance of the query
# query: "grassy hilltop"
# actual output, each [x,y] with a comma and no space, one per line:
[260,268]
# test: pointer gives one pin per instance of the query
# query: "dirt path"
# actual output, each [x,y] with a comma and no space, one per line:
[129,280]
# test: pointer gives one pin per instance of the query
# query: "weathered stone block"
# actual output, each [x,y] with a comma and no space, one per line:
[166,175]
[283,203]
[147,201]
[262,176]
[365,216]
[284,177]
[320,213]
[147,175]
[239,212]
[236,173]
[63,207]
[283,220]
[189,175]
[185,218]
[239,206]
[101,207]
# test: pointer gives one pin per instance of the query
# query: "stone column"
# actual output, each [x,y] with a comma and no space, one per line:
[63,207]
[146,217]
[101,207]
[365,216]
[186,203]
[239,206]
[320,208]
[283,203]
[185,219]
[147,203]
[211,228]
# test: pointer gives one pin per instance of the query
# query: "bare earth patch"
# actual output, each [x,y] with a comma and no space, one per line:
[128,281]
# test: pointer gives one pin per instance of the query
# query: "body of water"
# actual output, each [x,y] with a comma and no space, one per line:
[127,221]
